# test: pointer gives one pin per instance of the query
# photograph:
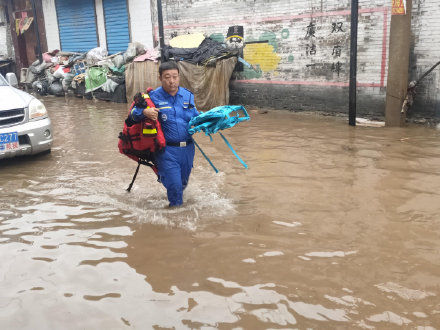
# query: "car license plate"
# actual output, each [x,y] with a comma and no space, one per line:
[8,141]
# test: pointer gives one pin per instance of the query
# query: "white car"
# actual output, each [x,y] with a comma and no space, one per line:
[25,127]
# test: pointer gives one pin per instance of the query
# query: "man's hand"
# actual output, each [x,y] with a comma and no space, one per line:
[151,113]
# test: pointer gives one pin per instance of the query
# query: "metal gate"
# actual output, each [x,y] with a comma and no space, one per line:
[116,25]
[77,25]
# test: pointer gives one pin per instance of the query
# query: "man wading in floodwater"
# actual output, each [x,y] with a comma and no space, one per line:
[174,109]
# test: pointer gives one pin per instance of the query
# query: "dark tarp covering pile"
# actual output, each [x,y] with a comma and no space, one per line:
[207,53]
[210,85]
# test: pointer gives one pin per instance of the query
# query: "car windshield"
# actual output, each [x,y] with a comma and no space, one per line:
[3,81]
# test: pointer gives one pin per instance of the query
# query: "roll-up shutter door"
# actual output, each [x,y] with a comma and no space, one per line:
[116,25]
[77,25]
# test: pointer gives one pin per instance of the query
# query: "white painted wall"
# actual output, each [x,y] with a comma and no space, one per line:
[140,22]
[100,24]
[5,40]
[51,25]
[425,28]
[285,23]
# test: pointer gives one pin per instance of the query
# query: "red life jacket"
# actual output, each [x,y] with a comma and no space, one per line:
[141,141]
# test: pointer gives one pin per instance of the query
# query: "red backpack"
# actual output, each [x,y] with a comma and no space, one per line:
[141,141]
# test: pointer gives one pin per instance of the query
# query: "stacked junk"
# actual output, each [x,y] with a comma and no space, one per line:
[96,74]
[90,74]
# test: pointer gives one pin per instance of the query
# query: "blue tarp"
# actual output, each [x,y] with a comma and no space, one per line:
[218,118]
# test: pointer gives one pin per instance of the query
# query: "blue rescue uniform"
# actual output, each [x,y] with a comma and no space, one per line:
[176,162]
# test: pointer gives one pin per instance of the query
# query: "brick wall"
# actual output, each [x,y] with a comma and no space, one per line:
[425,52]
[305,63]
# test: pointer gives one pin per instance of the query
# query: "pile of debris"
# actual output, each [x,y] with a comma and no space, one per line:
[96,74]
[90,74]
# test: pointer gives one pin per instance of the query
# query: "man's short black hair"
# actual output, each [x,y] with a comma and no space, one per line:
[171,65]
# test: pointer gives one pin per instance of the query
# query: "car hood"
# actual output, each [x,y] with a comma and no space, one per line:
[12,98]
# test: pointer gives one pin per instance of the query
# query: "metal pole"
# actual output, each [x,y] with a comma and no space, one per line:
[160,22]
[353,63]
[37,33]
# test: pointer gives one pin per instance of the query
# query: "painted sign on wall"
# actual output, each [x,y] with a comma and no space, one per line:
[399,7]
[289,44]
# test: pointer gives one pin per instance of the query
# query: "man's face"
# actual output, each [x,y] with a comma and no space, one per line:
[170,81]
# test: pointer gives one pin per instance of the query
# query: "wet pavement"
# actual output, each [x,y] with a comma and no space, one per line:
[331,227]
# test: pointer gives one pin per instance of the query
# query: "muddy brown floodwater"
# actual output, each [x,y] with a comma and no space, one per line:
[331,227]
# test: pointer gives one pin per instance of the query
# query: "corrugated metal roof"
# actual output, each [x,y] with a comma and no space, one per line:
[77,25]
[116,25]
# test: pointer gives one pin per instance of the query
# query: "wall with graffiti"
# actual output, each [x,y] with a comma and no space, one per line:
[425,53]
[293,43]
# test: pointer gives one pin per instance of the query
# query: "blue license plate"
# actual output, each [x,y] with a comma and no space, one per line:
[9,141]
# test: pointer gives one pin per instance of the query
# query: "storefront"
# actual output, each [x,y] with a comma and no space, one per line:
[80,25]
[116,25]
[77,25]
[22,30]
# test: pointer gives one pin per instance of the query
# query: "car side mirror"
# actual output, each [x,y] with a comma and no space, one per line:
[11,78]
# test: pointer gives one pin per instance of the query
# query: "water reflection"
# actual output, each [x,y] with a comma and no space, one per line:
[331,227]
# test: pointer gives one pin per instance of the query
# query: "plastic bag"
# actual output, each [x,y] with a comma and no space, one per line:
[74,59]
[47,58]
[118,61]
[40,86]
[49,77]
[134,49]
[59,72]
[56,89]
[109,86]
[30,77]
[39,68]
[67,81]
[95,55]
[107,63]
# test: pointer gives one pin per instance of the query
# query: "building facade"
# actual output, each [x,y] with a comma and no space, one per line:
[6,48]
[425,53]
[21,31]
[80,25]
[301,50]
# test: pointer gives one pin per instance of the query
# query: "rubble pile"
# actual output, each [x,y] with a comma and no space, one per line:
[96,74]
[90,74]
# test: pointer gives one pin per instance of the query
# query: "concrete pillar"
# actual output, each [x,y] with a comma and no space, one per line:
[397,83]
[100,24]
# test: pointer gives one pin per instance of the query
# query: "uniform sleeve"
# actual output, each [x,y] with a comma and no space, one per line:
[192,105]
[136,114]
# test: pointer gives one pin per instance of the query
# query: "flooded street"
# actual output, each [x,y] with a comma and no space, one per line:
[331,227]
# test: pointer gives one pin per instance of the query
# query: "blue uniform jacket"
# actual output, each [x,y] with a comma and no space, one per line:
[175,112]
[175,163]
